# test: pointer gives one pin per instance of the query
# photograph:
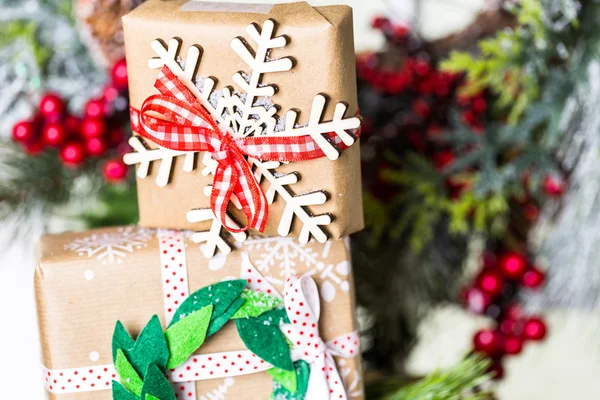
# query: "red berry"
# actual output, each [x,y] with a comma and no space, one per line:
[554,186]
[379,22]
[24,131]
[34,147]
[422,67]
[51,105]
[507,326]
[533,279]
[513,265]
[72,154]
[119,74]
[512,345]
[115,171]
[530,212]
[94,108]
[400,31]
[110,93]
[477,300]
[93,128]
[421,108]
[54,134]
[487,341]
[514,312]
[443,159]
[534,329]
[95,146]
[479,104]
[490,282]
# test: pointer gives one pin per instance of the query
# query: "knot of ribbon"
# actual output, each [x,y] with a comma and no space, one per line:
[174,119]
[303,310]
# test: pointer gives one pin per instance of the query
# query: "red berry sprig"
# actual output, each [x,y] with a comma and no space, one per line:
[492,294]
[98,134]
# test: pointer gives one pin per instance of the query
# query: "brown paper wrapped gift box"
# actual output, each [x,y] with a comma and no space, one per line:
[87,281]
[320,42]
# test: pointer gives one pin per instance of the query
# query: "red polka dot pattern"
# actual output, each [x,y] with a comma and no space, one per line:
[173,261]
[73,380]
[218,365]
[303,308]
[174,270]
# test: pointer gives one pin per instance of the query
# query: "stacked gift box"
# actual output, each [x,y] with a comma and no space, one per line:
[237,284]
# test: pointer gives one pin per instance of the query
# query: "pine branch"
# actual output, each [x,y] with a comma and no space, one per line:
[461,382]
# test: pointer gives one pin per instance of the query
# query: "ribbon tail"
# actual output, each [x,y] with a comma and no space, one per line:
[334,381]
[317,381]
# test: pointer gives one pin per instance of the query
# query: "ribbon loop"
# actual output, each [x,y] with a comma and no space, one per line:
[303,310]
[189,127]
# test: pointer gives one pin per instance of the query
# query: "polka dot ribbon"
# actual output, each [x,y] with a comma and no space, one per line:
[303,309]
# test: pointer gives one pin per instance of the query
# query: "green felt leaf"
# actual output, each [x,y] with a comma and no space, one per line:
[262,336]
[220,295]
[218,322]
[121,340]
[187,335]
[150,348]
[256,304]
[127,374]
[157,385]
[287,379]
[280,392]
[120,393]
[302,375]
[150,397]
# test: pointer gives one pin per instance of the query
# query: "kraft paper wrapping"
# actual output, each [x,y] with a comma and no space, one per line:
[321,43]
[87,281]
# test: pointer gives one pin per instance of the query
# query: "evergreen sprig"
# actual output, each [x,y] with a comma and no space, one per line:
[461,382]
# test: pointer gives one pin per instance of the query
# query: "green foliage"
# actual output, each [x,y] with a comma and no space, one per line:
[26,32]
[423,202]
[456,383]
[500,65]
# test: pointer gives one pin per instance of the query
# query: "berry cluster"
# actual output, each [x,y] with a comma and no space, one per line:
[493,294]
[415,98]
[98,135]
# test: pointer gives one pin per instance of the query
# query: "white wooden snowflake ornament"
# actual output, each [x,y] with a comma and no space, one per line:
[248,113]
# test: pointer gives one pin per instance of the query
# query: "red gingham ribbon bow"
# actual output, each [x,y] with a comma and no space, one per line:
[189,127]
[303,309]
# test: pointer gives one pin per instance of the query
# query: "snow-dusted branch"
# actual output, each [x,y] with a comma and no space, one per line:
[144,157]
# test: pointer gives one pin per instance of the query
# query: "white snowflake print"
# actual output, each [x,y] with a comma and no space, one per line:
[352,379]
[111,247]
[278,258]
[219,393]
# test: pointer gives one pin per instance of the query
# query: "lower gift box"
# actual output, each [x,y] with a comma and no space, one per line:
[143,307]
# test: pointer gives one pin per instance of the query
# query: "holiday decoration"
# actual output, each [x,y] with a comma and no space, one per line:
[229,307]
[77,140]
[262,142]
[495,295]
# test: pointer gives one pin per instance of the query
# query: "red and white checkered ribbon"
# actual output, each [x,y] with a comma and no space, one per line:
[189,127]
[303,308]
